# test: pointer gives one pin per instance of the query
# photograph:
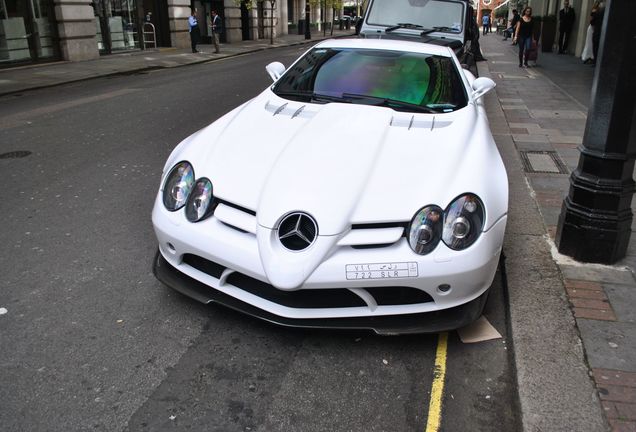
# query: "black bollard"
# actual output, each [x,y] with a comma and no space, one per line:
[596,217]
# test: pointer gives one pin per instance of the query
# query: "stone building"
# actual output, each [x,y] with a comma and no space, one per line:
[75,30]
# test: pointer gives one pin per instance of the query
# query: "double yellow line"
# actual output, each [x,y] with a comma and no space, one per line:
[437,390]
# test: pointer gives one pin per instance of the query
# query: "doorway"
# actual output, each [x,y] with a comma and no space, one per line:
[245,22]
[116,22]
[157,13]
[261,20]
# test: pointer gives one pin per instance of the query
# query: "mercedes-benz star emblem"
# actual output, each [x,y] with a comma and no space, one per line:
[297,231]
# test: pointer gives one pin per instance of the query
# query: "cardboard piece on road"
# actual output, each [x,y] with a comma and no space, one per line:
[479,331]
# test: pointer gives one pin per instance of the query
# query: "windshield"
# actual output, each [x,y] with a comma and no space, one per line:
[404,81]
[446,16]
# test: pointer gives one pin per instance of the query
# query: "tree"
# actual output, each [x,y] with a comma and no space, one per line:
[324,5]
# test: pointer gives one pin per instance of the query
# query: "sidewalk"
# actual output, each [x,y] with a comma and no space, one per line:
[570,321]
[50,74]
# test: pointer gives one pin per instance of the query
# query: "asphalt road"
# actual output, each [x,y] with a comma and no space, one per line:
[91,341]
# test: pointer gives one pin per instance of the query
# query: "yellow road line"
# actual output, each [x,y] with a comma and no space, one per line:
[437,390]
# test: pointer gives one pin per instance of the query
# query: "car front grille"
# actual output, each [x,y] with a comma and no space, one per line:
[310,298]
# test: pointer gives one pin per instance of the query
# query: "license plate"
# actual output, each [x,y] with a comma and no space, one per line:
[393,270]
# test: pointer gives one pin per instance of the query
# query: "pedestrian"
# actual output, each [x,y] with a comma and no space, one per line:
[484,24]
[566,21]
[596,21]
[216,26]
[194,30]
[588,51]
[524,36]
[510,31]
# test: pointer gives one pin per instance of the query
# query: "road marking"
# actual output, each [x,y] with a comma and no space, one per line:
[437,390]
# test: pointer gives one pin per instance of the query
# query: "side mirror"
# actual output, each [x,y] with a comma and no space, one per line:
[481,86]
[275,70]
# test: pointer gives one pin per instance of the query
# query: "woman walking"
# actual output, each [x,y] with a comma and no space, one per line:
[523,35]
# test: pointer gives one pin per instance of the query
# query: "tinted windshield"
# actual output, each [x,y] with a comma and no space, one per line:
[446,15]
[404,81]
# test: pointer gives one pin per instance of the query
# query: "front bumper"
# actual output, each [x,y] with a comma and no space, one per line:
[213,262]
[426,322]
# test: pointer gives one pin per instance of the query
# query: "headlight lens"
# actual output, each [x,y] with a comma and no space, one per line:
[463,222]
[199,205]
[425,230]
[178,185]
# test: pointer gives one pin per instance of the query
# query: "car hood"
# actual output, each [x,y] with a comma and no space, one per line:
[344,164]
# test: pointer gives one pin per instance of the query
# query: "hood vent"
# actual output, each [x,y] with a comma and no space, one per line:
[409,122]
[289,110]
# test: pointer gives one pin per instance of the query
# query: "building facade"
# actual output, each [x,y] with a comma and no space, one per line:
[75,30]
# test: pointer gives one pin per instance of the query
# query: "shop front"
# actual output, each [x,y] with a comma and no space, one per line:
[27,31]
[117,25]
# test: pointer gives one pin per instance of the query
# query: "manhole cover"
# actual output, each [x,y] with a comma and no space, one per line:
[542,162]
[15,154]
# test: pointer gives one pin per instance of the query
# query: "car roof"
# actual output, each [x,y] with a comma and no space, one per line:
[386,44]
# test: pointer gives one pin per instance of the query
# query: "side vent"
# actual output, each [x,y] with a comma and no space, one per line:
[291,111]
[279,109]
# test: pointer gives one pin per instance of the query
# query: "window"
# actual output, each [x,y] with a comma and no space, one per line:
[426,13]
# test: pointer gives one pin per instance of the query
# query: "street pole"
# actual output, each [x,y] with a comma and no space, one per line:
[307,31]
[596,217]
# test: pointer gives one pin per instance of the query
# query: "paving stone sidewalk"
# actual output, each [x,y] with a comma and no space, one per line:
[543,113]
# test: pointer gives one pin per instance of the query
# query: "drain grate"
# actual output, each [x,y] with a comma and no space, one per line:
[542,162]
[15,154]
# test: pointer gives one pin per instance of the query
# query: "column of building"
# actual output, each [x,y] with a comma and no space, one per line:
[283,18]
[76,29]
[178,13]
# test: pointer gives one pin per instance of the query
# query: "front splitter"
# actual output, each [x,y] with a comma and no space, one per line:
[426,322]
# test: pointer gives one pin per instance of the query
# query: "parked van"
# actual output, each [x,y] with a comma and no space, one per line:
[440,22]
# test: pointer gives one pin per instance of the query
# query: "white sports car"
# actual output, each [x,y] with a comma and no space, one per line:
[395,225]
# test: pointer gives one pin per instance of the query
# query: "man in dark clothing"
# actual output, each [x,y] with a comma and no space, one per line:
[566,21]
[215,24]
[513,24]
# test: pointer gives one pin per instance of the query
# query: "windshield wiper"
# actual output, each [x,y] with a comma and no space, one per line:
[387,102]
[403,26]
[317,97]
[445,29]
[443,107]
[410,26]
[299,95]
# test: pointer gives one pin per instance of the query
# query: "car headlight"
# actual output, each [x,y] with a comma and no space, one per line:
[199,204]
[463,222]
[178,185]
[425,230]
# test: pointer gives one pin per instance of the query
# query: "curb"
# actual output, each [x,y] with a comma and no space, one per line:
[148,68]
